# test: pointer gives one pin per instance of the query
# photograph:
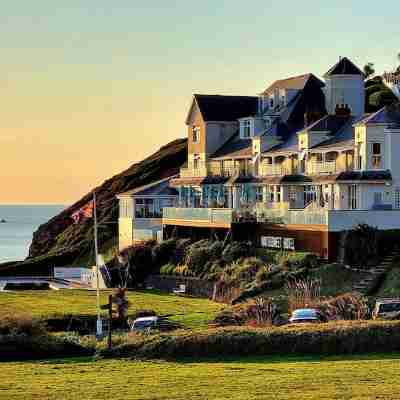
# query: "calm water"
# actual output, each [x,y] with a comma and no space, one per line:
[16,233]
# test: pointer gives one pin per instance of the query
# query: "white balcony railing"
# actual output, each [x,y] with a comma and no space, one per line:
[274,170]
[215,168]
[316,167]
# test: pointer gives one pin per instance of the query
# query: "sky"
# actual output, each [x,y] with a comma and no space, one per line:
[89,87]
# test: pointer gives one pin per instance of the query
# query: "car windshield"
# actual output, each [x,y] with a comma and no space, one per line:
[389,307]
[304,314]
[143,324]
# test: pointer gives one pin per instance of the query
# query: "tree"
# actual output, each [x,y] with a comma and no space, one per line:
[369,70]
[398,68]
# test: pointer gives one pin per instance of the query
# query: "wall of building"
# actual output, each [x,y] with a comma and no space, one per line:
[195,119]
[125,232]
[345,89]
[217,133]
[340,220]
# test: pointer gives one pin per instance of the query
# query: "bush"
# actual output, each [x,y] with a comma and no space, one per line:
[168,269]
[163,253]
[361,246]
[21,324]
[236,250]
[345,307]
[330,338]
[140,258]
[25,338]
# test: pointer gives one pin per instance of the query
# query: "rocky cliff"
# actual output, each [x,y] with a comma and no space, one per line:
[61,242]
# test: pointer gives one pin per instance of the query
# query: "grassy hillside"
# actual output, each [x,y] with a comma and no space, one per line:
[190,312]
[351,377]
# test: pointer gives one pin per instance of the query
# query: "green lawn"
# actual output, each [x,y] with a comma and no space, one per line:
[191,312]
[357,377]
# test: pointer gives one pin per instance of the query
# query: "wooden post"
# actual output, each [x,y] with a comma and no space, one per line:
[110,321]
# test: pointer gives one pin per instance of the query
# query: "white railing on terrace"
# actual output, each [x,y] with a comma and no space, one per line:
[270,169]
[327,167]
[214,168]
[260,214]
[210,215]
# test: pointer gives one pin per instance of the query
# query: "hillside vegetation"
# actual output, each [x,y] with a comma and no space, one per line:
[60,242]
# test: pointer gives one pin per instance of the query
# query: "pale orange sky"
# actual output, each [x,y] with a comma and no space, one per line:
[88,88]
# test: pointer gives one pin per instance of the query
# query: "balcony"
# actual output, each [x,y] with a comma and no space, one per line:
[275,170]
[200,217]
[224,217]
[215,168]
[319,167]
[292,217]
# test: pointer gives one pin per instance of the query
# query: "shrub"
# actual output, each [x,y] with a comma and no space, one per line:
[361,246]
[303,293]
[163,253]
[330,338]
[140,260]
[21,324]
[236,250]
[168,269]
[262,311]
[345,307]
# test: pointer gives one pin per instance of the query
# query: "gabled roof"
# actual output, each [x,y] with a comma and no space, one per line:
[235,147]
[294,82]
[225,108]
[382,116]
[158,188]
[344,67]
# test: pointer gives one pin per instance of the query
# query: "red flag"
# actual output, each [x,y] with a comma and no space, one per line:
[83,213]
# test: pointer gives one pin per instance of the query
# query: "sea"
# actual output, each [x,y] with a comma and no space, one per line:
[20,223]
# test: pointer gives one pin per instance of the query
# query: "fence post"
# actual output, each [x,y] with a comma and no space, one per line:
[109,343]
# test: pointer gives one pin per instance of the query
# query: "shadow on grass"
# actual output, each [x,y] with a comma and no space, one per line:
[295,358]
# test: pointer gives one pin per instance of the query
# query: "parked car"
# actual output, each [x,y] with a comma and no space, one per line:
[386,309]
[145,324]
[302,315]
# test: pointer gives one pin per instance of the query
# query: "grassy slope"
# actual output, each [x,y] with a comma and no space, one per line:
[390,287]
[196,312]
[367,377]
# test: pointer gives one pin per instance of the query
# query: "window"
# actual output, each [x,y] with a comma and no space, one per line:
[352,197]
[196,134]
[259,194]
[397,198]
[246,128]
[144,208]
[278,194]
[196,161]
[271,102]
[378,196]
[376,155]
[271,194]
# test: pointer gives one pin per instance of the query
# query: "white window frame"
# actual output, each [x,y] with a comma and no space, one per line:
[376,158]
[195,134]
[396,199]
[246,128]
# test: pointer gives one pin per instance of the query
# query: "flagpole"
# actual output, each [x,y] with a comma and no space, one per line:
[99,327]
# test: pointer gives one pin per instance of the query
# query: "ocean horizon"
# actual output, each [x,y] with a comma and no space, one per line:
[21,220]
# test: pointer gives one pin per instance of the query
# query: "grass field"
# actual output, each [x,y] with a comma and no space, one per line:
[356,377]
[191,312]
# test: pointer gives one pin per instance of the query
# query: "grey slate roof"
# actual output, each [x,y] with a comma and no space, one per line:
[344,67]
[382,116]
[158,188]
[235,147]
[226,108]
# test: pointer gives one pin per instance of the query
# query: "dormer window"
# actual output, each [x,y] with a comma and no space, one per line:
[245,129]
[196,134]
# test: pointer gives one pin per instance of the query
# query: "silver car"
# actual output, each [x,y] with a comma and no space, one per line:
[310,315]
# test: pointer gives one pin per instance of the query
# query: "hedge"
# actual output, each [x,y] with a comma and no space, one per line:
[330,338]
